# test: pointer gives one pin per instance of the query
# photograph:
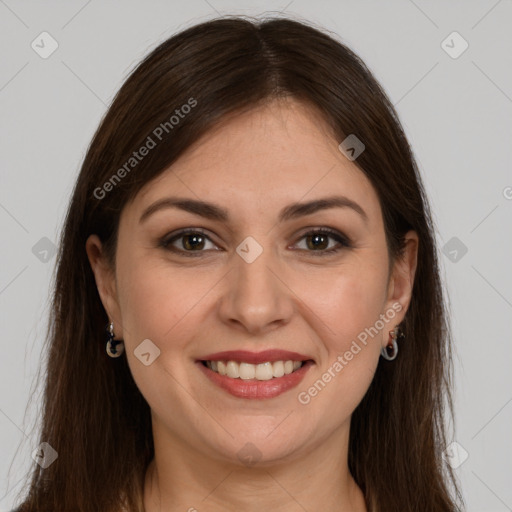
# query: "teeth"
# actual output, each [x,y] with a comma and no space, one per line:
[264,371]
[221,367]
[246,371]
[232,370]
[278,369]
[288,367]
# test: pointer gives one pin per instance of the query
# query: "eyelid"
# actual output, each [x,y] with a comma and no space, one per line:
[334,233]
[166,241]
[342,240]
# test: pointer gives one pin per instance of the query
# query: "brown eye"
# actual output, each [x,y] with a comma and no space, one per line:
[317,241]
[324,241]
[193,242]
[188,242]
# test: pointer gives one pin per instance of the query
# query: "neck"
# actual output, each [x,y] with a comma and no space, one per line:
[182,479]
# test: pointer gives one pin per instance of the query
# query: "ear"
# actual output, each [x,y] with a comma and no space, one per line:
[401,281]
[105,281]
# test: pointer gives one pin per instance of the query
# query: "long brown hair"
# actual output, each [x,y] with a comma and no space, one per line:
[93,414]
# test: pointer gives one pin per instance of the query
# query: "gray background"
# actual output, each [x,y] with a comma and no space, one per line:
[455,111]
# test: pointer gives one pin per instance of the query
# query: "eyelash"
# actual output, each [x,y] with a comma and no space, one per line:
[342,240]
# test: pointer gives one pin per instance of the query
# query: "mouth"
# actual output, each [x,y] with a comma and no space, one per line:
[255,375]
[247,371]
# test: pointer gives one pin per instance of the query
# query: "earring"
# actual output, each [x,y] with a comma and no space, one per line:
[390,351]
[114,347]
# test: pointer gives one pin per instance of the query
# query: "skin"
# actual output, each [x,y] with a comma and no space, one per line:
[290,297]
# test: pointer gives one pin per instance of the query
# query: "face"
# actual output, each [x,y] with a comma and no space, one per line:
[260,277]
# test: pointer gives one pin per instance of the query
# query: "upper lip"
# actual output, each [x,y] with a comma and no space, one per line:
[256,357]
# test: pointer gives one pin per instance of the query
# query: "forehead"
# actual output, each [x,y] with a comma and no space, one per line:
[273,154]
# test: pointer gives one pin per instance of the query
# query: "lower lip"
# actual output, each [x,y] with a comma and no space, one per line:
[257,389]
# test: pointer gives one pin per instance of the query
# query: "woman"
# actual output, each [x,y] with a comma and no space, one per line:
[247,312]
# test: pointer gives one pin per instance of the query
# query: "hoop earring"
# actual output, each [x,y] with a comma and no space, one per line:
[114,347]
[390,351]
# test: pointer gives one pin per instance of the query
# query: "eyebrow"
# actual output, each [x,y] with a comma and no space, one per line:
[218,213]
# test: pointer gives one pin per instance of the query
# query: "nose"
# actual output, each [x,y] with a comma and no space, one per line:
[256,298]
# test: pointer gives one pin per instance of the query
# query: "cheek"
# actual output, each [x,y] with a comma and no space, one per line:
[347,300]
[155,301]
[349,305]
[158,305]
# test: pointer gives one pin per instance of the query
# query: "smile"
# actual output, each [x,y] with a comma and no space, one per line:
[262,375]
[246,371]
